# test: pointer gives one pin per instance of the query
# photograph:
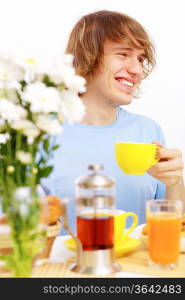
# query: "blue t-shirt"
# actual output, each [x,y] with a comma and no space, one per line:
[82,144]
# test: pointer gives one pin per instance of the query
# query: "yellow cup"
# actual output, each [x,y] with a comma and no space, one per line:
[120,218]
[135,158]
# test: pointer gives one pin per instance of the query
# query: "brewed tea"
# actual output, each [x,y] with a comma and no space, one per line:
[96,232]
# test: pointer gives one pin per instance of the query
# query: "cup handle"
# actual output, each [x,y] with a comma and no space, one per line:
[134,223]
[156,159]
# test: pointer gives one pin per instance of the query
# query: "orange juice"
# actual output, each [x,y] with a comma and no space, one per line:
[164,237]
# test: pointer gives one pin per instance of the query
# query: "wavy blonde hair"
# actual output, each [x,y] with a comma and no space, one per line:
[86,41]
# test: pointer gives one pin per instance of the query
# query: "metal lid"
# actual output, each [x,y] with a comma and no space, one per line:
[95,180]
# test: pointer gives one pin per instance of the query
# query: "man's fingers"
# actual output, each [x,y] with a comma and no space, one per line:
[170,174]
[168,153]
[170,165]
[157,143]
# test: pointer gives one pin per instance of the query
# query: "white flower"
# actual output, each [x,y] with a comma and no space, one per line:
[9,89]
[10,94]
[48,125]
[31,68]
[31,133]
[4,138]
[23,199]
[22,125]
[10,85]
[27,127]
[32,65]
[43,99]
[57,73]
[10,111]
[65,74]
[61,72]
[24,157]
[75,83]
[57,67]
[71,107]
[23,194]
[10,71]
[23,209]
[30,140]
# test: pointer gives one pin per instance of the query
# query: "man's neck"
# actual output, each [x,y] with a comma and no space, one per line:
[98,112]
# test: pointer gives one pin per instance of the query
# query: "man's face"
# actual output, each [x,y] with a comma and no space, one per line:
[120,73]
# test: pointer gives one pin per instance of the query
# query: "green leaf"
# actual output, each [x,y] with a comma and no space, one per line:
[48,82]
[45,171]
[46,145]
[55,147]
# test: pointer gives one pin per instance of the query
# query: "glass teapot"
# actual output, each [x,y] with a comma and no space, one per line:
[95,203]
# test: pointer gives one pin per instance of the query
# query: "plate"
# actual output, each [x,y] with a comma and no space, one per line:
[144,239]
[122,248]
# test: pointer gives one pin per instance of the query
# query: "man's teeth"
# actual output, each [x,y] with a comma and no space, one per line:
[126,82]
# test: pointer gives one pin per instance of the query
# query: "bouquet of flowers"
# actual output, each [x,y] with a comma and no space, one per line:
[36,97]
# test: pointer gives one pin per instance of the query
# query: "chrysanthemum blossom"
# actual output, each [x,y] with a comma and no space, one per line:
[42,99]
[72,108]
[48,125]
[10,71]
[23,194]
[75,83]
[10,111]
[65,74]
[27,128]
[4,137]
[24,157]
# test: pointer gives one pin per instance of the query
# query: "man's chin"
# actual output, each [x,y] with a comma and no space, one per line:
[125,101]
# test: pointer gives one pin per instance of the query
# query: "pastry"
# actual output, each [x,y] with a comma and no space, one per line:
[3,220]
[55,209]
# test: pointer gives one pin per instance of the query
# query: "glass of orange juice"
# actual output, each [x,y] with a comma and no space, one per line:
[163,227]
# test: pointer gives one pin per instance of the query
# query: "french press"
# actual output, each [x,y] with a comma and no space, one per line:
[95,203]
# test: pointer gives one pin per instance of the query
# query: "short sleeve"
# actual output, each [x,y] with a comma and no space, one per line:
[160,135]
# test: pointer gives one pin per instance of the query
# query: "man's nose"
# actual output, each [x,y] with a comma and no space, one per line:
[134,67]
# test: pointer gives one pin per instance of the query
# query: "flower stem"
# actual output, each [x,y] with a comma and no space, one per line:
[17,148]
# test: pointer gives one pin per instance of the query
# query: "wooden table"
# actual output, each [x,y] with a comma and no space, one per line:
[135,262]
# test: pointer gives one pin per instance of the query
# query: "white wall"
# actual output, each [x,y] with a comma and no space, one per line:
[43,26]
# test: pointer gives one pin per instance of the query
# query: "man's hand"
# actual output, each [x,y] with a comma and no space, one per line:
[169,168]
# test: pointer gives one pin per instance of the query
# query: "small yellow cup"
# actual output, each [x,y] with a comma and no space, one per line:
[120,217]
[135,158]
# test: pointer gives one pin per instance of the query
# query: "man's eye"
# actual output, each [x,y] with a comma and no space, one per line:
[122,54]
[141,60]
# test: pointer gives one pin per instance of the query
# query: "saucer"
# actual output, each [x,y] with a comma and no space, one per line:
[122,248]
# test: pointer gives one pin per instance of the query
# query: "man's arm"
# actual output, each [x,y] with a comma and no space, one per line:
[176,191]
[169,170]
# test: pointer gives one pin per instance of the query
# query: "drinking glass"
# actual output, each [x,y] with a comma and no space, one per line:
[164,219]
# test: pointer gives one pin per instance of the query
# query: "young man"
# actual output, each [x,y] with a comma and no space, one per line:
[114,53]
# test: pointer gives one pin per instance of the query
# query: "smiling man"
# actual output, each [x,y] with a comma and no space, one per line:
[114,53]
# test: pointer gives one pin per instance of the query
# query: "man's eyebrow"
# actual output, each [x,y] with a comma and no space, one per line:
[127,49]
